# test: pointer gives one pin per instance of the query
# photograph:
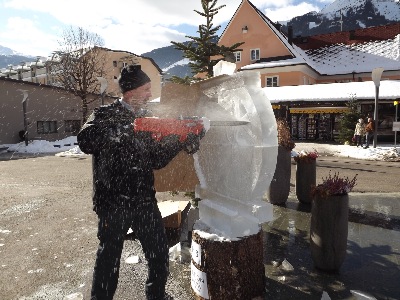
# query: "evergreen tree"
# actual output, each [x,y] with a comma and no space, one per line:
[200,50]
[349,121]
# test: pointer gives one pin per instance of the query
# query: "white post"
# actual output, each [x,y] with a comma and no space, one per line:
[103,87]
[24,106]
[395,119]
[376,78]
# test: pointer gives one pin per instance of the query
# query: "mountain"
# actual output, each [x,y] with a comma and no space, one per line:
[11,57]
[170,60]
[346,15]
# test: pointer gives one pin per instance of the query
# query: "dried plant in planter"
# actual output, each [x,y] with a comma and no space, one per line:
[329,221]
[284,136]
[334,186]
[279,188]
[306,156]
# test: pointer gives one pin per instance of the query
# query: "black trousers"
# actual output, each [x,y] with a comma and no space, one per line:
[146,222]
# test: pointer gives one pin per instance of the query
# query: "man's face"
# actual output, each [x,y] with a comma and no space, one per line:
[138,98]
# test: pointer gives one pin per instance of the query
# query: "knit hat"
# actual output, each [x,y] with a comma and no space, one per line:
[132,77]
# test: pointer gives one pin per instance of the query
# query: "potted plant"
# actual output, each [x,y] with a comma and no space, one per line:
[279,188]
[306,174]
[329,221]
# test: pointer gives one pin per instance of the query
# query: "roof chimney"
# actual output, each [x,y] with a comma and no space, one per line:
[278,26]
[352,34]
[290,34]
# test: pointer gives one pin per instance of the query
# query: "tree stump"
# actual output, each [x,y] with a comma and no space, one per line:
[227,269]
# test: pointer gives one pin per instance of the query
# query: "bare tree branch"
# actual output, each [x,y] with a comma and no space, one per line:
[79,61]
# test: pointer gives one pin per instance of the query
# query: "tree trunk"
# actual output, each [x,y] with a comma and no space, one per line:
[84,110]
[279,188]
[328,231]
[306,177]
[224,270]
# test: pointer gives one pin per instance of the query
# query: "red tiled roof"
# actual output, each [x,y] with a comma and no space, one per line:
[357,36]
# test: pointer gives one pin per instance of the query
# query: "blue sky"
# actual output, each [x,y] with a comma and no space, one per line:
[35,27]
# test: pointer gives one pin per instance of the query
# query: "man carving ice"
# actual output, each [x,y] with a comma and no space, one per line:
[123,184]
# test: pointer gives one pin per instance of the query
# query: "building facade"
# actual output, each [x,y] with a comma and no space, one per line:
[343,57]
[29,99]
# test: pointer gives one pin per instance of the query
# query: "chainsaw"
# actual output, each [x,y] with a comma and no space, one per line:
[183,127]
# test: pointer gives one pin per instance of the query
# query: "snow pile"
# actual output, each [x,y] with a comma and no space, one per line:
[381,152]
[42,146]
[76,151]
[385,153]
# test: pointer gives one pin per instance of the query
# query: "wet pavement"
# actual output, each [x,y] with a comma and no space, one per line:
[371,267]
[372,264]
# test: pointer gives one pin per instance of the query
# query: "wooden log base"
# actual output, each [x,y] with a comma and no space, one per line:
[233,269]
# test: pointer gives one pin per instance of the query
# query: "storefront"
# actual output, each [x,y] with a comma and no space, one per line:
[314,111]
[315,123]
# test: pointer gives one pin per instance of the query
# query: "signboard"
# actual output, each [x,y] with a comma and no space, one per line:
[396,126]
[196,252]
[318,110]
[198,282]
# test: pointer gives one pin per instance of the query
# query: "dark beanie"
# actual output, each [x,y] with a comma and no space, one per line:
[131,78]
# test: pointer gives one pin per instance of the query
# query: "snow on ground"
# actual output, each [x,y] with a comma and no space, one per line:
[68,147]
[385,152]
[64,147]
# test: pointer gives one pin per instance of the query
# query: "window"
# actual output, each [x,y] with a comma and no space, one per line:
[114,63]
[238,56]
[272,81]
[254,54]
[46,126]
[72,126]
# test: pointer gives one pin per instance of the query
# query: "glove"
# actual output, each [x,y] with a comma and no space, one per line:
[170,139]
[143,136]
[192,143]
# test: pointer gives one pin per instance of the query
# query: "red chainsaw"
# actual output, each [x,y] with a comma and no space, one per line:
[159,128]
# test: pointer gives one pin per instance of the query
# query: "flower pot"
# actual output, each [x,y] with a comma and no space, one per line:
[306,178]
[328,231]
[279,188]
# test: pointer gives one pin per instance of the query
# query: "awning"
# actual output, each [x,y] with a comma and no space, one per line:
[318,110]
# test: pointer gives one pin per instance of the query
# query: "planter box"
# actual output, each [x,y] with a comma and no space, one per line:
[171,212]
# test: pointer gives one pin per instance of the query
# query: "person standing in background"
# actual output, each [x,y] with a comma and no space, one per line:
[359,132]
[369,132]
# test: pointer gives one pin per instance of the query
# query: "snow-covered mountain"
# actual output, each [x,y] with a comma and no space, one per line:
[346,15]
[11,57]
[8,51]
[388,8]
[170,61]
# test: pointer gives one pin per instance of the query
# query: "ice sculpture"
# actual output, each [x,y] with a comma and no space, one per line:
[237,157]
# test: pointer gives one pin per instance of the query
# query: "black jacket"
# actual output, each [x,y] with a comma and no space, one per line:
[123,161]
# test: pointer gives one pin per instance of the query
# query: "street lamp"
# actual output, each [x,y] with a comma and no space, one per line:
[376,78]
[24,104]
[35,73]
[103,87]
